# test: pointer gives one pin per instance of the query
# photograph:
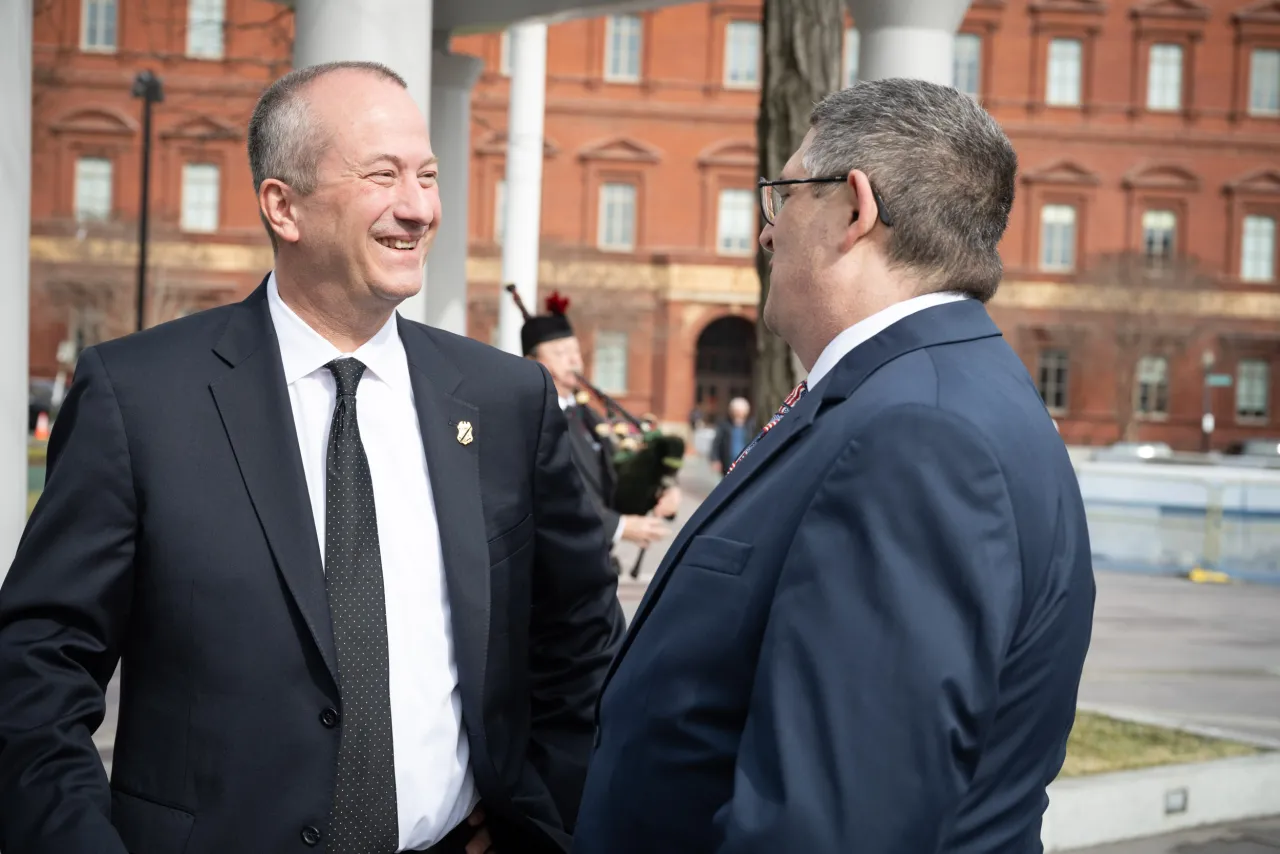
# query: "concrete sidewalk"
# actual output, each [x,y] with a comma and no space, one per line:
[1251,837]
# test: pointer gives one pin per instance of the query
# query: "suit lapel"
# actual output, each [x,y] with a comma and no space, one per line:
[253,402]
[454,470]
[949,323]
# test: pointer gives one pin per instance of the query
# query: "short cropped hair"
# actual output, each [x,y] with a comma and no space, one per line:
[942,166]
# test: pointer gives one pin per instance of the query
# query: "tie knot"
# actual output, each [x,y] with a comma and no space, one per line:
[347,372]
[797,393]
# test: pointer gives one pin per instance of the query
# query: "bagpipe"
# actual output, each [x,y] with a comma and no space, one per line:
[646,460]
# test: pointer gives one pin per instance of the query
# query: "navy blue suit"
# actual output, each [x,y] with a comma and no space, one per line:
[869,638]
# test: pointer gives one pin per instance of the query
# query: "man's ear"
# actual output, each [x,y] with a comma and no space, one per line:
[864,213]
[275,201]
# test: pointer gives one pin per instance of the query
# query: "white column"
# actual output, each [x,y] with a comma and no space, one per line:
[907,38]
[396,33]
[522,226]
[15,268]
[452,77]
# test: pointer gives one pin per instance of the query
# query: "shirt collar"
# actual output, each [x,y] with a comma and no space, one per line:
[303,351]
[867,328]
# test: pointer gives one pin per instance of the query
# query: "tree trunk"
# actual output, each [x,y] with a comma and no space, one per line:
[802,49]
[1124,368]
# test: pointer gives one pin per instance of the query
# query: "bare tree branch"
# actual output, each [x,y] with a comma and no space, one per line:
[1148,310]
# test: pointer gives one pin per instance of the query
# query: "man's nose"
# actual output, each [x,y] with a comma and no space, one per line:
[766,238]
[418,204]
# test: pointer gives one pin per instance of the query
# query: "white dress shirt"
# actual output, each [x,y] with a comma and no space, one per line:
[869,327]
[434,787]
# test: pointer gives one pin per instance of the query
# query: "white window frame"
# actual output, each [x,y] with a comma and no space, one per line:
[201,197]
[612,231]
[98,43]
[609,372]
[1253,391]
[1064,73]
[1050,362]
[1066,219]
[735,219]
[742,40]
[94,183]
[1152,372]
[1165,72]
[1258,249]
[1165,222]
[849,56]
[504,53]
[967,49]
[1264,82]
[206,29]
[623,48]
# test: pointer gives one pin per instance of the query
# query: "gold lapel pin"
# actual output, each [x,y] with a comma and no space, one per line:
[465,435]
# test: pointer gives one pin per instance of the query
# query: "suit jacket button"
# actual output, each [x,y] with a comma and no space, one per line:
[311,835]
[329,717]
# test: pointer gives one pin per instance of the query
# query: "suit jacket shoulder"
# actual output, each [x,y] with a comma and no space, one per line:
[482,368]
[168,347]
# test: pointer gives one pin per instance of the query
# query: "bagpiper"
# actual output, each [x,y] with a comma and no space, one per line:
[550,340]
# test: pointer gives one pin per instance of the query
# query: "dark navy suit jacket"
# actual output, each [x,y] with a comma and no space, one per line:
[869,638]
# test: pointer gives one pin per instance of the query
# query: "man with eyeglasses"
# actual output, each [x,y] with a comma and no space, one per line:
[869,638]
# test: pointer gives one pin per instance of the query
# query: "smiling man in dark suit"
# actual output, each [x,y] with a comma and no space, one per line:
[869,638]
[358,596]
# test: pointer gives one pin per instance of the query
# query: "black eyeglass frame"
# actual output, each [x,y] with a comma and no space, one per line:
[764,184]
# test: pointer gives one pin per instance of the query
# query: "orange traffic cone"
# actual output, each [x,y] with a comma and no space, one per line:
[42,426]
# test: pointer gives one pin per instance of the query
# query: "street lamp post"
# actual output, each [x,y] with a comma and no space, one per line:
[147,87]
[1206,420]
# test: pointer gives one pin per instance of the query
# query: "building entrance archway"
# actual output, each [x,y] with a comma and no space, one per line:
[725,365]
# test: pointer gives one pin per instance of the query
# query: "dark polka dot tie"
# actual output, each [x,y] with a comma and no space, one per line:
[364,802]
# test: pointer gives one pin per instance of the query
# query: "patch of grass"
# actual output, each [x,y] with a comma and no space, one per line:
[1100,744]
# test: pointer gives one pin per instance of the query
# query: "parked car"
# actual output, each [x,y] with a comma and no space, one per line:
[1252,453]
[1134,452]
[1254,448]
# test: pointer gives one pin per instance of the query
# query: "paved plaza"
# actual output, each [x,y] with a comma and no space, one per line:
[1249,837]
[1203,655]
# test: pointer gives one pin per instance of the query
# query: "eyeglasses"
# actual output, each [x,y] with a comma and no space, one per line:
[771,198]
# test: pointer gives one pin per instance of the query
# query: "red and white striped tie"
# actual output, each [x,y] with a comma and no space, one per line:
[792,399]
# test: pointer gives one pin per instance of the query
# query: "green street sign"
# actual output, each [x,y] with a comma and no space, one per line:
[1219,380]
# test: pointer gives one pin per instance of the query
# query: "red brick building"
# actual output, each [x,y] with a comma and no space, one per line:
[1145,128]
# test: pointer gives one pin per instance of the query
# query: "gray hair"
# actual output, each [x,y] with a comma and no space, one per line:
[284,142]
[942,167]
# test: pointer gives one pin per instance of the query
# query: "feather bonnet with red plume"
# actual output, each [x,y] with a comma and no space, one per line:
[545,327]
[557,303]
